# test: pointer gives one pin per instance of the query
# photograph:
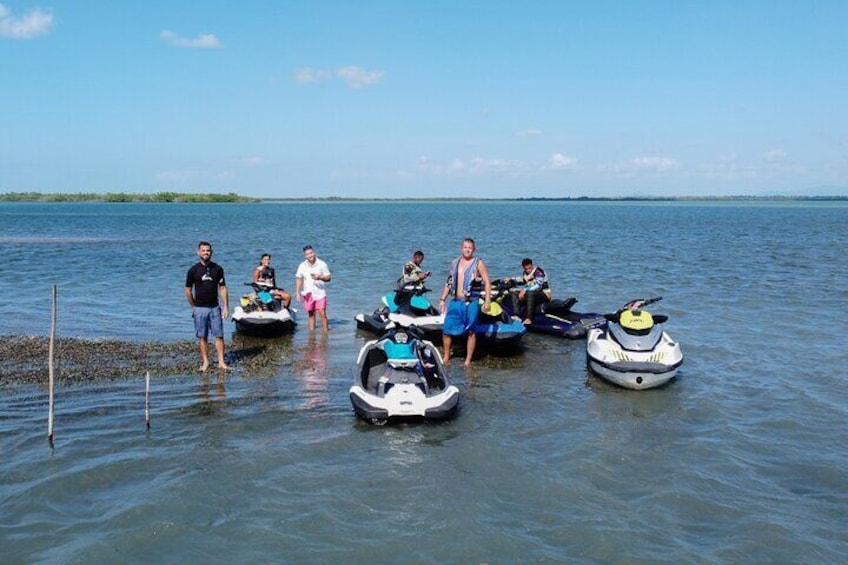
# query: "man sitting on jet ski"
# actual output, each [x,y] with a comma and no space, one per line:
[412,278]
[534,289]
[412,272]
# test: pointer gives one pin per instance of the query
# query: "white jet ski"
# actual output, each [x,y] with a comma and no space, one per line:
[259,314]
[402,376]
[632,351]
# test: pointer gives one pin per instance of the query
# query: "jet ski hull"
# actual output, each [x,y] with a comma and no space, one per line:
[411,385]
[630,368]
[263,323]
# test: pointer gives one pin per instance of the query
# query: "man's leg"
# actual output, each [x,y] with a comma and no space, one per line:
[204,353]
[516,305]
[472,343]
[446,348]
[531,304]
[219,346]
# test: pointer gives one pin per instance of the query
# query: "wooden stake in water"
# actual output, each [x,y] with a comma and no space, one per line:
[147,399]
[50,369]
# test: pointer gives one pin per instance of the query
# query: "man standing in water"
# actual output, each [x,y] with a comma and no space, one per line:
[206,279]
[463,286]
[310,279]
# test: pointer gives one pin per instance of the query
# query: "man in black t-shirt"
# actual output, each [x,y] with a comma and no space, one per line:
[204,284]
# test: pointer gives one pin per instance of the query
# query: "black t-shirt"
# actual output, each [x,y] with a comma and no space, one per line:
[205,279]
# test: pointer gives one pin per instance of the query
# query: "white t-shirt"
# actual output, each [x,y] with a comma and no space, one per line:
[305,272]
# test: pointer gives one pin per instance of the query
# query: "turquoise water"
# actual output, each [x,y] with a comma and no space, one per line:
[741,459]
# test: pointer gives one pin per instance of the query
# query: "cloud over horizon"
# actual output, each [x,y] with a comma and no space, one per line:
[642,165]
[34,23]
[560,162]
[203,41]
[353,76]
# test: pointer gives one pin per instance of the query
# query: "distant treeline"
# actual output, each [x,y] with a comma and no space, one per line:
[681,198]
[123,197]
[233,197]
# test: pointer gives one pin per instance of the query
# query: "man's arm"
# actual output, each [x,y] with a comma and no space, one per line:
[483,271]
[225,298]
[189,297]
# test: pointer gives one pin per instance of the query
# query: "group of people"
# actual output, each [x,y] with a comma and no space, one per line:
[206,292]
[468,281]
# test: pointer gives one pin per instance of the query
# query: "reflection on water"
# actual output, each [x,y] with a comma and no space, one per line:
[220,391]
[312,371]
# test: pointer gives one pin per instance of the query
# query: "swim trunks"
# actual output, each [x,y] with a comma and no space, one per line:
[206,321]
[310,304]
[461,317]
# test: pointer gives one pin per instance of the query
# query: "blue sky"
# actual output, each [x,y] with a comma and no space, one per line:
[436,98]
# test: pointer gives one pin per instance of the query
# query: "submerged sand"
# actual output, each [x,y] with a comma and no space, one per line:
[24,359]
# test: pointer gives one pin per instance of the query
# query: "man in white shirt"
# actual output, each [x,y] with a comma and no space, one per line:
[310,279]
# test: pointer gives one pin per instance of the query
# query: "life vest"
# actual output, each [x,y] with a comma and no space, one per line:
[267,274]
[470,289]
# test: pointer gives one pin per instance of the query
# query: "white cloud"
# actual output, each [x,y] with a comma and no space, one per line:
[254,161]
[476,166]
[639,165]
[32,24]
[356,77]
[774,156]
[528,133]
[560,162]
[204,41]
[725,166]
[308,76]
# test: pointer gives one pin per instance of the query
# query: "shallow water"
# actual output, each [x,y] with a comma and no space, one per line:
[741,459]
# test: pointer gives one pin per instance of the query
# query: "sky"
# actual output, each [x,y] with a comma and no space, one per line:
[402,99]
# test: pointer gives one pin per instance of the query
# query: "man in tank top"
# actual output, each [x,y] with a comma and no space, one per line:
[463,286]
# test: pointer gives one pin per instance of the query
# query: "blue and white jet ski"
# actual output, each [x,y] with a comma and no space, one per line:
[259,314]
[406,307]
[632,351]
[554,317]
[401,376]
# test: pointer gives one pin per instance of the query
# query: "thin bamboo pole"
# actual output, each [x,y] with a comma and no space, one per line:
[147,399]
[50,368]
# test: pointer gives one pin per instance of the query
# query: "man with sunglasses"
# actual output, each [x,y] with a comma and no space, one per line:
[204,285]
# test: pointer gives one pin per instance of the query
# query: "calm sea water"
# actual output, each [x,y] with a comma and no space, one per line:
[742,459]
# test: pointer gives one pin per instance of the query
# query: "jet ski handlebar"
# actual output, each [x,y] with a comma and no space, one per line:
[259,287]
[641,303]
[637,304]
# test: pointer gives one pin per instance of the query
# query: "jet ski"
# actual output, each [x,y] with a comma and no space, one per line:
[401,376]
[633,351]
[259,314]
[406,307]
[555,317]
[496,330]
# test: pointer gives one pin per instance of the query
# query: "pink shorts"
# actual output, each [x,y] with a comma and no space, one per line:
[311,305]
